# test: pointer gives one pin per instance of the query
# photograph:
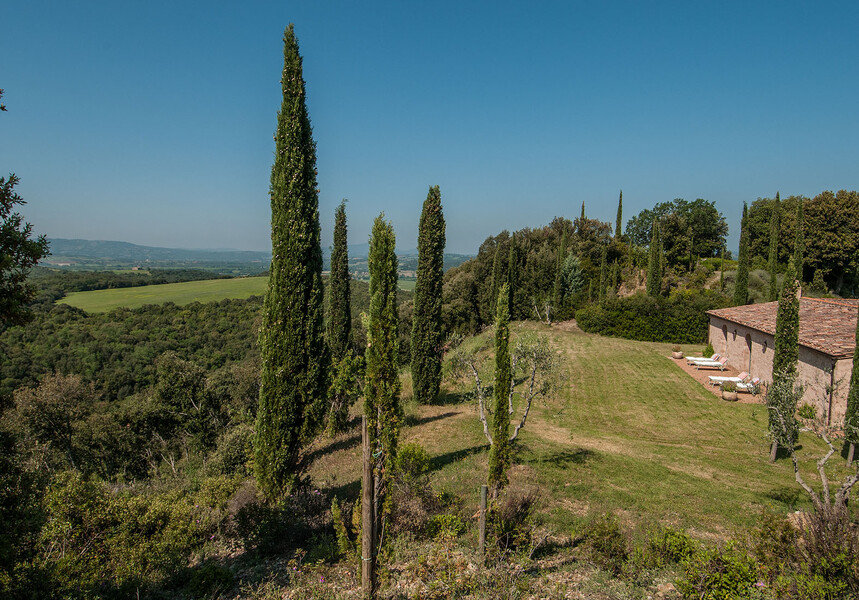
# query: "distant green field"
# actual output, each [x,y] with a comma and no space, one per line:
[208,290]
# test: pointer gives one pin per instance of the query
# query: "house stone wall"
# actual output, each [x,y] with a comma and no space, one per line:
[751,350]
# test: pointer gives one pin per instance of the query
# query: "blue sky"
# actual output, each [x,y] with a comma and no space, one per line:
[152,122]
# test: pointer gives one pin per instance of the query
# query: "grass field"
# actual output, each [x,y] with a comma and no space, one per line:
[209,290]
[179,293]
[627,432]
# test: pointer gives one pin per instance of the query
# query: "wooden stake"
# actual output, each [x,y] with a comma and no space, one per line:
[773,451]
[850,454]
[368,519]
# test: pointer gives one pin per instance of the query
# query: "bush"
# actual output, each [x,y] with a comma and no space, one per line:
[719,574]
[671,546]
[708,351]
[512,520]
[445,525]
[679,318]
[606,543]
[210,580]
[413,463]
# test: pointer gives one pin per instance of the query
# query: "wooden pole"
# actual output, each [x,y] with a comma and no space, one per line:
[850,454]
[773,451]
[483,491]
[368,519]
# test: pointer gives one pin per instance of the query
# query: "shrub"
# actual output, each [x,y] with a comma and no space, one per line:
[210,580]
[708,351]
[413,463]
[671,546]
[719,574]
[679,318]
[445,525]
[512,520]
[606,543]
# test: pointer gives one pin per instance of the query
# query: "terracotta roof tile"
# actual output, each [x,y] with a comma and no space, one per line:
[827,325]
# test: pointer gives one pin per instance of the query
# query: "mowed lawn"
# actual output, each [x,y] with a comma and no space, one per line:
[627,431]
[179,293]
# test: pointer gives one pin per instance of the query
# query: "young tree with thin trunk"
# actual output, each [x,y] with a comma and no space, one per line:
[427,327]
[382,394]
[618,226]
[741,284]
[781,401]
[294,381]
[773,257]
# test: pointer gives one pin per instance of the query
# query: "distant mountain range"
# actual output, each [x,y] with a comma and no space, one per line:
[100,254]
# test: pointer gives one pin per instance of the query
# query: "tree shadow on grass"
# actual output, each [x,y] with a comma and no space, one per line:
[442,460]
[342,442]
[413,421]
[563,458]
[451,398]
[787,495]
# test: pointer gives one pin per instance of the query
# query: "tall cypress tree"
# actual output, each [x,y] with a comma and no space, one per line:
[786,350]
[654,263]
[427,327]
[559,266]
[339,293]
[499,452]
[722,270]
[741,286]
[346,365]
[773,262]
[498,277]
[294,377]
[603,276]
[799,241]
[780,398]
[851,417]
[513,279]
[382,392]
[617,226]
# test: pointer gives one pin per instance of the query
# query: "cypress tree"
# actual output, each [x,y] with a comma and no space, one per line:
[722,270]
[562,254]
[583,210]
[741,286]
[382,390]
[499,452]
[513,279]
[339,293]
[786,351]
[603,277]
[498,277]
[654,263]
[427,327]
[346,365]
[773,262]
[781,397]
[851,417]
[294,378]
[799,241]
[617,227]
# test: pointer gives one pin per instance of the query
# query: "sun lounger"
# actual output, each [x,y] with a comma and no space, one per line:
[751,387]
[719,380]
[692,359]
[711,364]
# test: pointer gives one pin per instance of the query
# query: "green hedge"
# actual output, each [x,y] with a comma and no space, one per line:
[678,319]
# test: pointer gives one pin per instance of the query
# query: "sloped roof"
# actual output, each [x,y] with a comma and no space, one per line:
[827,325]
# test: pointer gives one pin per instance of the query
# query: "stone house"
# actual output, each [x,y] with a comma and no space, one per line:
[827,340]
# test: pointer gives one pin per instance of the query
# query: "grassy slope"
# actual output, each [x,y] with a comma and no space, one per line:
[627,432]
[178,293]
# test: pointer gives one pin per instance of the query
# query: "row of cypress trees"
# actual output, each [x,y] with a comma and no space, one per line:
[304,364]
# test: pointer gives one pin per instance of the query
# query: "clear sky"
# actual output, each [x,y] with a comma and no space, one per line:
[151,122]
